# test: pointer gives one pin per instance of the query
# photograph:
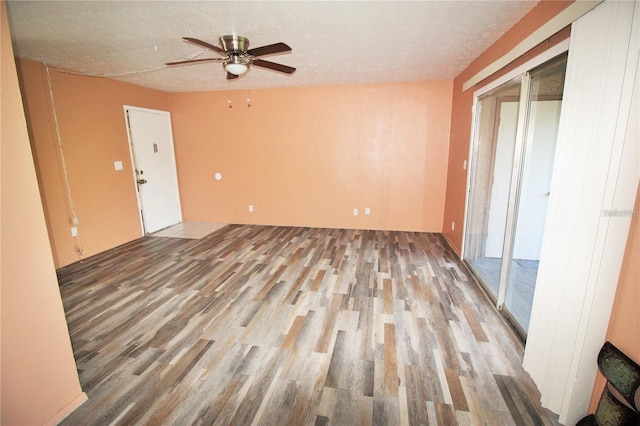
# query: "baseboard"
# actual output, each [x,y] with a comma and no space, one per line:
[451,246]
[68,409]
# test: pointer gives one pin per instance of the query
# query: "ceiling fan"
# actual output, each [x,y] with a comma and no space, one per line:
[237,57]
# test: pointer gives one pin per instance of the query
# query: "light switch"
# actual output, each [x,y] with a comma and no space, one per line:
[117,165]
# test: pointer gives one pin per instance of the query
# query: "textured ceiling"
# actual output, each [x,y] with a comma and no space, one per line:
[333,42]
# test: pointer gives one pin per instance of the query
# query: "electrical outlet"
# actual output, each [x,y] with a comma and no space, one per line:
[453,226]
[117,165]
[355,212]
[74,231]
[367,211]
[251,208]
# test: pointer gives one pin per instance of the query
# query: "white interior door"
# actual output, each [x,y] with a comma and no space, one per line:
[151,142]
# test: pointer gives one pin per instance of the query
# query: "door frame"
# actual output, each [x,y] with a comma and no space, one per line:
[134,168]
[545,56]
[521,72]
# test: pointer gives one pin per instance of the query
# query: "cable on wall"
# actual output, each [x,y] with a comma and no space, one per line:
[74,216]
[65,175]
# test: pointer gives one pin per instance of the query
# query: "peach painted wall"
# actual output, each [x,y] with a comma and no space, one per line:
[39,381]
[92,125]
[624,325]
[463,103]
[309,156]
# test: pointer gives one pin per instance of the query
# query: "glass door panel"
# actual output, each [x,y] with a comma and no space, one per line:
[497,120]
[544,104]
[512,162]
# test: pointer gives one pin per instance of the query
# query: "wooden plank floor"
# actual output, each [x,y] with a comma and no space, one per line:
[278,325]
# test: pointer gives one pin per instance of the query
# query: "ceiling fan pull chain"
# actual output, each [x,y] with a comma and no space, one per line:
[229,97]
[248,99]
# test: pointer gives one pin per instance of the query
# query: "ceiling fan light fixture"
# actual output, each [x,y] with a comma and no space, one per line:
[238,58]
[236,68]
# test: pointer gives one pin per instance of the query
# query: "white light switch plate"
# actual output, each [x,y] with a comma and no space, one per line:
[117,165]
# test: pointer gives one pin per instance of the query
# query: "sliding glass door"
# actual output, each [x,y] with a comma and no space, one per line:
[497,118]
[512,162]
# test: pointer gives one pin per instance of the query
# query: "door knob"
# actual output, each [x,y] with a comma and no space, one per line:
[141,181]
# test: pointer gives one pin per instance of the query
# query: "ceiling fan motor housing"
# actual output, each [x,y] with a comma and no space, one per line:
[234,43]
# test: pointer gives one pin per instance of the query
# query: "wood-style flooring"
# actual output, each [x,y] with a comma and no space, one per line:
[291,326]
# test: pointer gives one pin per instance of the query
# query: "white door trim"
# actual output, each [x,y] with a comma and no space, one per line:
[133,159]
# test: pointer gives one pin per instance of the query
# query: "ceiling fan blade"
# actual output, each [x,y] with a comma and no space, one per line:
[204,44]
[273,66]
[191,61]
[269,49]
[231,76]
